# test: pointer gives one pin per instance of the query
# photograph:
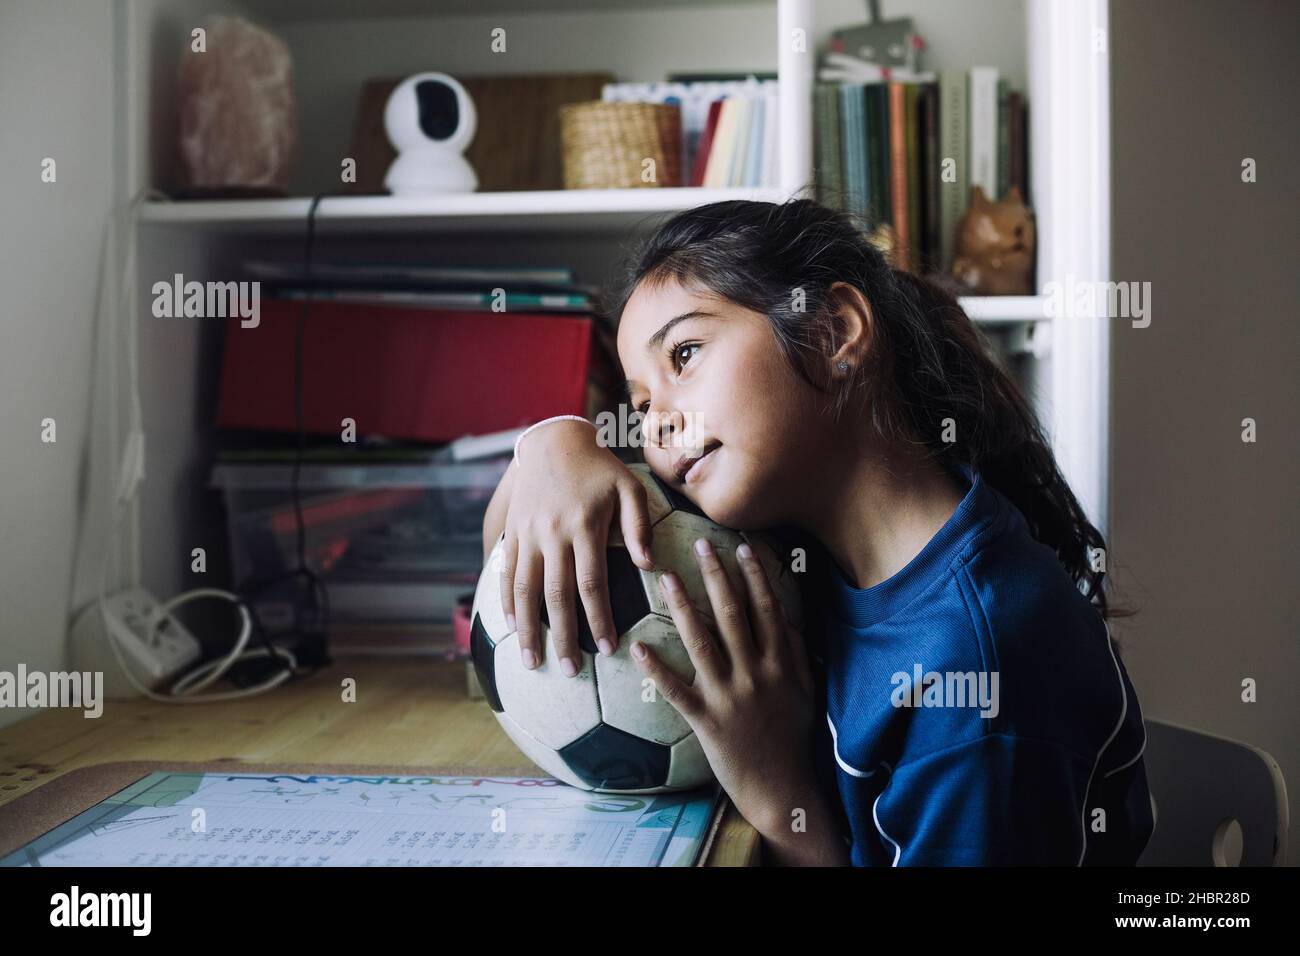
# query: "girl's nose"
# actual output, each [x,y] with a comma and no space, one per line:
[661,426]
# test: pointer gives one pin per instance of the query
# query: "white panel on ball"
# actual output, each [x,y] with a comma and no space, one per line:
[622,694]
[657,503]
[539,753]
[688,763]
[557,710]
[487,598]
[673,547]
[780,577]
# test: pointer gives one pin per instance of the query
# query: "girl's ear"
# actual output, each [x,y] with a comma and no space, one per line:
[852,328]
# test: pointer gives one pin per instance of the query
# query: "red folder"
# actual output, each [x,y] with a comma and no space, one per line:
[417,374]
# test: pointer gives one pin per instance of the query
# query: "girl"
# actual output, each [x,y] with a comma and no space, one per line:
[958,699]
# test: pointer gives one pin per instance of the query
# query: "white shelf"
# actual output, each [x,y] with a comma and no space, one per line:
[566,210]
[575,210]
[1005,309]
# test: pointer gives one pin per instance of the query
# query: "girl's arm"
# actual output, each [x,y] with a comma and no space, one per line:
[494,521]
[819,844]
[555,505]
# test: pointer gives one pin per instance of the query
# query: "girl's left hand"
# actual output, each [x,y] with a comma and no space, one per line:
[751,704]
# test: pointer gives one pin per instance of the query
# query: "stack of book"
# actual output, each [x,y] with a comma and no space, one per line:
[531,289]
[906,151]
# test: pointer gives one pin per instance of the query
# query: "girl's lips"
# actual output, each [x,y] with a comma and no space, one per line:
[694,472]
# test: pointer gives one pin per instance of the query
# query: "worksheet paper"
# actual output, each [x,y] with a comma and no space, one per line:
[214,819]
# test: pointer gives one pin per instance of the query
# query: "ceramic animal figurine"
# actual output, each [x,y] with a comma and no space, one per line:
[995,246]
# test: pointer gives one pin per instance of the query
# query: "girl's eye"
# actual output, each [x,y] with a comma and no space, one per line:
[678,355]
[675,354]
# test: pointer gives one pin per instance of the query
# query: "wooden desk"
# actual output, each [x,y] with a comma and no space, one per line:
[409,712]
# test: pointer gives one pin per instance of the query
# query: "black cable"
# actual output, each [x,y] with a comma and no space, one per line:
[297,377]
[317,595]
[303,569]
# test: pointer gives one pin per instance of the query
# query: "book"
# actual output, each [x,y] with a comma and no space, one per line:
[724,146]
[914,161]
[741,131]
[954,191]
[1019,158]
[757,132]
[470,301]
[901,214]
[878,188]
[1004,139]
[828,159]
[332,453]
[852,149]
[395,273]
[862,145]
[491,445]
[706,144]
[984,129]
[847,68]
[929,107]
[771,174]
[723,77]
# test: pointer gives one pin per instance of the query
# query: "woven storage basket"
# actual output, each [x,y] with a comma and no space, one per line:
[606,144]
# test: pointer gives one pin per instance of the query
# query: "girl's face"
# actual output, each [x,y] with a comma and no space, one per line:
[728,422]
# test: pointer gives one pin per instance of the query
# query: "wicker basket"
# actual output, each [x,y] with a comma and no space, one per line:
[606,144]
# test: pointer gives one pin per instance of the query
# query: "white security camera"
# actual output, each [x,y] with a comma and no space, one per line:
[430,120]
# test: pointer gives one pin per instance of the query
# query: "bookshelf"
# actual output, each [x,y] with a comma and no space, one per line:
[1053,51]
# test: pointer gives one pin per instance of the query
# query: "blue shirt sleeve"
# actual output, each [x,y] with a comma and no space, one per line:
[999,800]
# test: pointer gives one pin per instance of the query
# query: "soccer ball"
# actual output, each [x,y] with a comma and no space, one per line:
[606,728]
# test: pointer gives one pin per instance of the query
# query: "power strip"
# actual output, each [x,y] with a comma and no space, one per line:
[154,658]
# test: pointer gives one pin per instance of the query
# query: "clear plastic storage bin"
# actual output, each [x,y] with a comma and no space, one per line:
[392,543]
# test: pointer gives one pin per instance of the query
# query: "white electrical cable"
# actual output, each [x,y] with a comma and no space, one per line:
[182,692]
[131,473]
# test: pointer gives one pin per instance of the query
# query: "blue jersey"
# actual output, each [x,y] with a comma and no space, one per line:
[975,711]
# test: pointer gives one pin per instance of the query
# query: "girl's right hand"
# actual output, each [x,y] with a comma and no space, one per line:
[566,494]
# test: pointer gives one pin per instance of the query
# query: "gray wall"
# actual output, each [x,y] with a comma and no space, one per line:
[64,95]
[56,86]
[1205,538]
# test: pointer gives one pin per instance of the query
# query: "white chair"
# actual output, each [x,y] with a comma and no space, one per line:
[1210,796]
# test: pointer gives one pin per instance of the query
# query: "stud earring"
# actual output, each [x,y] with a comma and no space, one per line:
[843,366]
